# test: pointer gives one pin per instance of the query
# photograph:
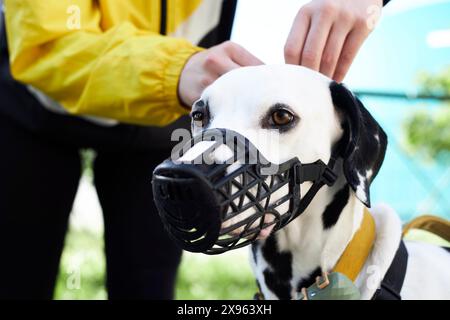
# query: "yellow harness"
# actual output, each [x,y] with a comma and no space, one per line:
[433,224]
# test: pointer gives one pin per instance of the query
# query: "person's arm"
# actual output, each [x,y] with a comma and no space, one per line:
[123,73]
[327,34]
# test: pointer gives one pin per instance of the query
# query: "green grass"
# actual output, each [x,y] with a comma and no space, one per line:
[82,268]
[82,273]
[227,276]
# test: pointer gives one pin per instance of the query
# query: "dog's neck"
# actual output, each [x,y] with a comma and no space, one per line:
[318,237]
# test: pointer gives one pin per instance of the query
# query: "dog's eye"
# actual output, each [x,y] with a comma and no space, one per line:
[198,117]
[282,117]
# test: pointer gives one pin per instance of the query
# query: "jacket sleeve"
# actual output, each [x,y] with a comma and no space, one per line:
[122,73]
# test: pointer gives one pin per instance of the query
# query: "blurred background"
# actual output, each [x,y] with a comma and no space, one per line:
[402,74]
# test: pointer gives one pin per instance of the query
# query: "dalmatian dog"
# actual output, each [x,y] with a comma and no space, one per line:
[311,114]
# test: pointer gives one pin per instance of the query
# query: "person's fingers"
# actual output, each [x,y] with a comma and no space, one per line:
[219,64]
[316,40]
[333,48]
[351,46]
[241,56]
[297,36]
[225,66]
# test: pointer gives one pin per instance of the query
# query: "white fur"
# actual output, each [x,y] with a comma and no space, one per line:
[388,234]
[428,272]
[239,100]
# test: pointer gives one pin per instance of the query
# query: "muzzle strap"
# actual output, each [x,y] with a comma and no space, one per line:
[320,174]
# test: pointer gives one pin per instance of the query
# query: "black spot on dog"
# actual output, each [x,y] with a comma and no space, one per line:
[334,208]
[281,262]
[281,289]
[278,278]
[308,281]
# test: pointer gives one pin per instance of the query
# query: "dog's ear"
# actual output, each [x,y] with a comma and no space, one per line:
[364,141]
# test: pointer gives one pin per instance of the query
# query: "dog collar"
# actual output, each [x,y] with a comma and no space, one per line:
[355,255]
[339,284]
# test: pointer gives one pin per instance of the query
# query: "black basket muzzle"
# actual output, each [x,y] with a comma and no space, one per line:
[213,205]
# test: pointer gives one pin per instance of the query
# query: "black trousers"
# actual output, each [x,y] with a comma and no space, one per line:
[39,175]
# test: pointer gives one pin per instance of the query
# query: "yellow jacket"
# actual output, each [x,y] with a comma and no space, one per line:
[106,58]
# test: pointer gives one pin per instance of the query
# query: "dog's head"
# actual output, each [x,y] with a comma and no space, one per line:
[306,113]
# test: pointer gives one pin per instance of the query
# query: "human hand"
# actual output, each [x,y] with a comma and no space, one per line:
[327,34]
[205,67]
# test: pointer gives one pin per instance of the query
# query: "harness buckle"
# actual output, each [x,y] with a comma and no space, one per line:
[323,281]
